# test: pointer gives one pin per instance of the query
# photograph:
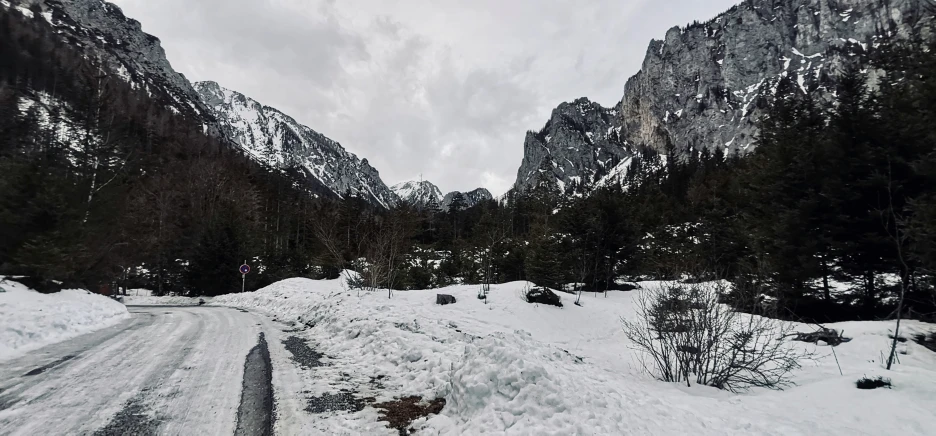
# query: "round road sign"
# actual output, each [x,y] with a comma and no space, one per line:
[244,269]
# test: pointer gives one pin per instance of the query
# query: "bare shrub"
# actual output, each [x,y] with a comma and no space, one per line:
[684,334]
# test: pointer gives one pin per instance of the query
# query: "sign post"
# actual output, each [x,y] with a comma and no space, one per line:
[244,269]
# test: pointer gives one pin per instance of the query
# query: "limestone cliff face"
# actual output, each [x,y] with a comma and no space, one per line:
[578,146]
[704,85]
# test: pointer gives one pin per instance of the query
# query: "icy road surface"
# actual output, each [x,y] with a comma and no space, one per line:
[166,370]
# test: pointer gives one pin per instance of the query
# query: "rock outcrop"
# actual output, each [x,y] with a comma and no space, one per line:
[705,85]
[465,199]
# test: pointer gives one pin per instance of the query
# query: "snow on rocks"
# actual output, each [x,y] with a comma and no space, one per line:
[30,320]
[509,367]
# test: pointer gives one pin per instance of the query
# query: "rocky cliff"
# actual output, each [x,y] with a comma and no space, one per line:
[124,50]
[277,140]
[704,84]
[579,145]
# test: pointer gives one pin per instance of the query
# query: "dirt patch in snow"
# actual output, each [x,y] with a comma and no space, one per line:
[302,353]
[401,413]
[342,401]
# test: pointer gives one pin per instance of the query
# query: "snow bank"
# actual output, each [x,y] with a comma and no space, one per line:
[509,367]
[30,320]
[143,300]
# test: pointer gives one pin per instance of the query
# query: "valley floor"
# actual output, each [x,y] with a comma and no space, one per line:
[334,361]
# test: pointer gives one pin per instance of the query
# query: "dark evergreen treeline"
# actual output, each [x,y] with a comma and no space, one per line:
[101,183]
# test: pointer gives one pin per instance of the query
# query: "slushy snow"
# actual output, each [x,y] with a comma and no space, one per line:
[30,320]
[509,367]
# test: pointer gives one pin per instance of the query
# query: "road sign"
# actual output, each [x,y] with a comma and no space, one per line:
[244,269]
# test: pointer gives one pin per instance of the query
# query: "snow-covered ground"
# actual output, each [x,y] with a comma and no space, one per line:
[509,367]
[30,320]
[167,371]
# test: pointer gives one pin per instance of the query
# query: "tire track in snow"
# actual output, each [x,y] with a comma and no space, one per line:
[178,367]
[255,414]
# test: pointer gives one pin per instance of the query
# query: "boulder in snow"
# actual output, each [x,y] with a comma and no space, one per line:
[444,299]
[543,296]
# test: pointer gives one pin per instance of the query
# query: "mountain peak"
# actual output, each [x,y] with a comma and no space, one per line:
[467,199]
[418,193]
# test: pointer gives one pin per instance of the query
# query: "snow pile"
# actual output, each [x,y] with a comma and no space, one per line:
[509,367]
[30,320]
[146,300]
[287,299]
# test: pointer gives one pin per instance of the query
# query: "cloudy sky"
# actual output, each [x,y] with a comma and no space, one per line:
[445,89]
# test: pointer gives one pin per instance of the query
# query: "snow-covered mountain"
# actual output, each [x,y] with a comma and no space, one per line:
[418,193]
[704,85]
[277,140]
[467,199]
[423,194]
[267,135]
[105,34]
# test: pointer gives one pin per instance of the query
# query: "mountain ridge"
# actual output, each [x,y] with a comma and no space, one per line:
[705,85]
[279,141]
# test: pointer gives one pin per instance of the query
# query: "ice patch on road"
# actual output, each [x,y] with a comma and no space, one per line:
[30,320]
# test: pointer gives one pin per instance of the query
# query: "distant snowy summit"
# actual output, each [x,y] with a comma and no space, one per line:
[278,141]
[420,194]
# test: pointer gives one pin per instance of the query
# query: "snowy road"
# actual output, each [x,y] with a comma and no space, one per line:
[166,370]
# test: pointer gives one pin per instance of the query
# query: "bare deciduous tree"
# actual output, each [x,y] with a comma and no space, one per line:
[493,230]
[891,218]
[385,251]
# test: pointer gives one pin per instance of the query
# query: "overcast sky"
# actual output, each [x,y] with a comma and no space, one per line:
[442,88]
